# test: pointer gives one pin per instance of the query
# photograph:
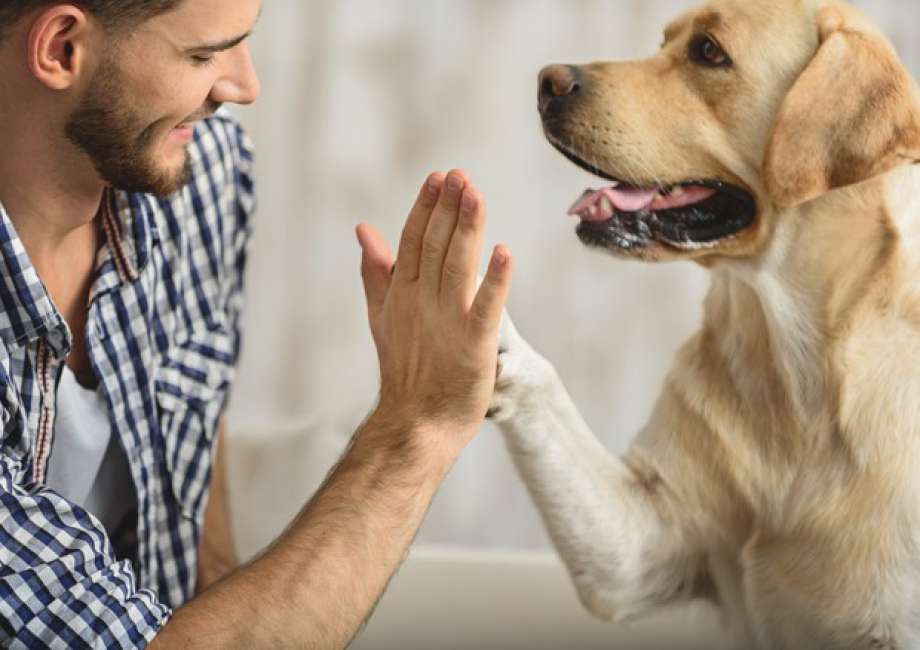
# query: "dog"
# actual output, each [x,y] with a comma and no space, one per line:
[774,143]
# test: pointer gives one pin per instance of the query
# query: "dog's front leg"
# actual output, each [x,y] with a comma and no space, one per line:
[624,556]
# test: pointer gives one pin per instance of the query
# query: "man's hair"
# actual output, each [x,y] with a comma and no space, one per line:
[114,15]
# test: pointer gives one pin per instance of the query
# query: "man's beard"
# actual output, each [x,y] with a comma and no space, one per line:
[110,131]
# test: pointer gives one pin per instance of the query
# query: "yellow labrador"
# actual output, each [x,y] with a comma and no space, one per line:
[773,142]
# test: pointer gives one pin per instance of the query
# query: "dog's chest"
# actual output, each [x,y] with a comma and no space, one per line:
[787,589]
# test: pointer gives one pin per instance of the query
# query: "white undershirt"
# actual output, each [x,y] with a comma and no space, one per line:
[87,465]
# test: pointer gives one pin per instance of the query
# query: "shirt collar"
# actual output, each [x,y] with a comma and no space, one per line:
[136,215]
[129,234]
[27,312]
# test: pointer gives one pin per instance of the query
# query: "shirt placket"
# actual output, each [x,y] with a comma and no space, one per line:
[46,378]
[48,368]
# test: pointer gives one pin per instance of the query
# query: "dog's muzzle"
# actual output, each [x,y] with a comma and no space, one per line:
[631,215]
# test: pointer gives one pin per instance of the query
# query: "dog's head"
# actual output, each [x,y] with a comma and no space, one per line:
[751,107]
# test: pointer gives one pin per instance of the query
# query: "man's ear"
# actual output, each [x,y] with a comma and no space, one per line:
[56,45]
[853,114]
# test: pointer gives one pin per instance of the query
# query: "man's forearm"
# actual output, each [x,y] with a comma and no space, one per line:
[315,586]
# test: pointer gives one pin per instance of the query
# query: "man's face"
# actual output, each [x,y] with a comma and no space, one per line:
[135,117]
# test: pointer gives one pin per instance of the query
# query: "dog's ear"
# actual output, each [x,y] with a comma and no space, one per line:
[853,114]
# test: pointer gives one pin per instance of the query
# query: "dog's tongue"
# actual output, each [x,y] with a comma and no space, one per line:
[601,205]
[624,200]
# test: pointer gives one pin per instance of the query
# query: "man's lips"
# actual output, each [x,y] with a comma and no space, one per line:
[188,126]
[183,132]
[186,130]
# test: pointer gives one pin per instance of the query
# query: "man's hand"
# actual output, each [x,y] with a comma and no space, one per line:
[437,339]
[436,334]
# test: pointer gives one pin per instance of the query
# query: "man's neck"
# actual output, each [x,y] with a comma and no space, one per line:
[52,194]
[48,188]
[53,208]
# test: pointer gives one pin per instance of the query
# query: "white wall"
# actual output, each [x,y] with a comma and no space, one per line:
[361,99]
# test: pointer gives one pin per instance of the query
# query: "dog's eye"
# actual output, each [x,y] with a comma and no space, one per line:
[705,51]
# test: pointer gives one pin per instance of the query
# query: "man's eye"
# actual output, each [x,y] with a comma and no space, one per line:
[202,60]
[704,50]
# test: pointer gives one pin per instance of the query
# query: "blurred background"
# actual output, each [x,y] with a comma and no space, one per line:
[361,99]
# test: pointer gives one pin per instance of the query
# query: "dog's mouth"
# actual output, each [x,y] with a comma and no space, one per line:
[688,215]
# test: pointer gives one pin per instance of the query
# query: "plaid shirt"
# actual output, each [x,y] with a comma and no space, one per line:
[163,338]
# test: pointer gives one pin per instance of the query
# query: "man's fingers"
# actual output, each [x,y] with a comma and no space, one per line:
[486,312]
[376,262]
[410,244]
[458,281]
[440,230]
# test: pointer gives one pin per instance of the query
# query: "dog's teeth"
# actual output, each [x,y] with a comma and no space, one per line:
[606,205]
[677,191]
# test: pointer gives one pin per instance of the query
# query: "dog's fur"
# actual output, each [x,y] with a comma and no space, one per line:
[779,474]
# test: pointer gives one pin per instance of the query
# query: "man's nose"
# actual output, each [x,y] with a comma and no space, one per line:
[240,84]
[559,85]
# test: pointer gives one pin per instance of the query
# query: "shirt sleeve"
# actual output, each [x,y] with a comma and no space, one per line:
[60,584]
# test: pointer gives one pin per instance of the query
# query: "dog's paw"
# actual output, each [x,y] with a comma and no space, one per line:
[521,374]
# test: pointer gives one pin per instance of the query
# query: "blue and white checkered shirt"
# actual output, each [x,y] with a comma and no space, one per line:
[163,339]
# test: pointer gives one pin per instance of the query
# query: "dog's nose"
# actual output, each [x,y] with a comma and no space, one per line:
[558,84]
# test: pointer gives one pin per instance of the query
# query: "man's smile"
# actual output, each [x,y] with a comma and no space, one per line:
[183,132]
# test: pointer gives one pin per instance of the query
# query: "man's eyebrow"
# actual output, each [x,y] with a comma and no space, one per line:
[222,46]
[214,48]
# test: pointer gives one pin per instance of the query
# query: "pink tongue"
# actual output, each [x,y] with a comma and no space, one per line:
[590,206]
[626,200]
[629,200]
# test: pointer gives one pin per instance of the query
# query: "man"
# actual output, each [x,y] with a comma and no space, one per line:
[125,203]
